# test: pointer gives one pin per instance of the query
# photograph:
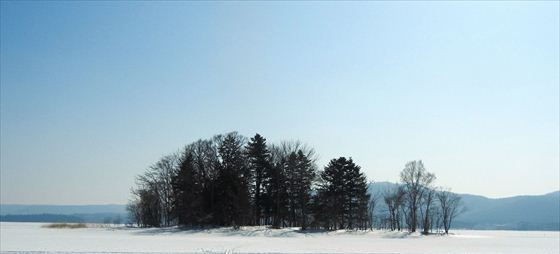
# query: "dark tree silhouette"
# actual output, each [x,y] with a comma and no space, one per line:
[278,195]
[232,206]
[292,172]
[188,191]
[342,196]
[259,160]
[205,162]
[145,209]
[300,173]
[153,202]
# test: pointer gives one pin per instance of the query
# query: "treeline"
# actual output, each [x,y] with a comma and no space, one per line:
[230,180]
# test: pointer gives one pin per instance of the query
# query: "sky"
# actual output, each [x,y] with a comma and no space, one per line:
[92,93]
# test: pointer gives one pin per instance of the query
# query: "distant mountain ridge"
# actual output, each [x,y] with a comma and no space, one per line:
[64,213]
[60,209]
[536,212]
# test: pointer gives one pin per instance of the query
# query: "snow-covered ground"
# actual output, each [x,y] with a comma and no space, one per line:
[33,238]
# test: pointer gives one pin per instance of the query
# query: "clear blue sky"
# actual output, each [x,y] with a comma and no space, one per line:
[94,92]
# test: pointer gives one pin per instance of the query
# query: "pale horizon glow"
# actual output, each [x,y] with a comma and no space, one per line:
[92,93]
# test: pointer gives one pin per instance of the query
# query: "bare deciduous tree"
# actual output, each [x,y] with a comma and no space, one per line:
[415,178]
[450,206]
[165,169]
[373,201]
[427,209]
[394,200]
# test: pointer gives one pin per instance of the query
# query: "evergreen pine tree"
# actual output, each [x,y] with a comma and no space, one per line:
[276,190]
[305,175]
[260,169]
[342,196]
[187,188]
[232,206]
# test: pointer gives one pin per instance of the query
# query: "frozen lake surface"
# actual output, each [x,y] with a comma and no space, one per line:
[32,238]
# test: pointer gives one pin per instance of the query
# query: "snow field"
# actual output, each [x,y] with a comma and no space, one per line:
[32,238]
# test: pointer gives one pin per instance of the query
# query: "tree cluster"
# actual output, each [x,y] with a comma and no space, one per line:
[416,203]
[230,180]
